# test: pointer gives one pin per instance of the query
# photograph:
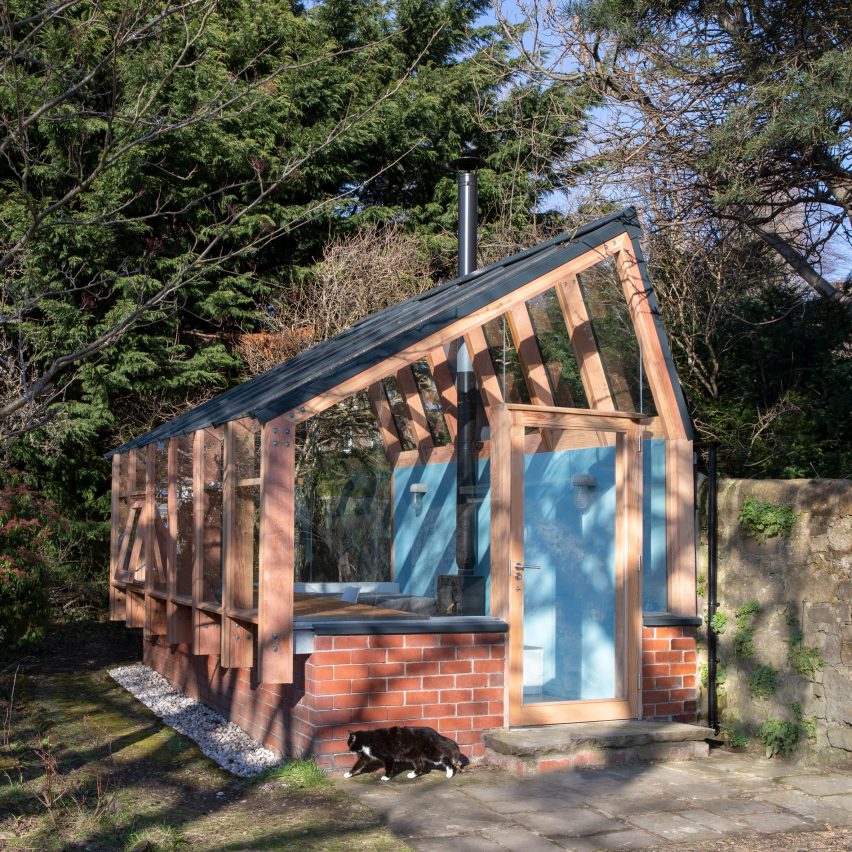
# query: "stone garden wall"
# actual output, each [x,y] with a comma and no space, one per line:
[785,629]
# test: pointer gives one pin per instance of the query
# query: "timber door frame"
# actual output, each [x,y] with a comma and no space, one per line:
[507,546]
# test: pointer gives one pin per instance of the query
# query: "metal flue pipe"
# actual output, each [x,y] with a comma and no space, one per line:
[466,460]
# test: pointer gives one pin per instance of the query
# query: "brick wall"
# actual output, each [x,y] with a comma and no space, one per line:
[669,689]
[451,682]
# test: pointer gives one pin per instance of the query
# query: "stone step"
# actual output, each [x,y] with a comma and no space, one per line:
[529,751]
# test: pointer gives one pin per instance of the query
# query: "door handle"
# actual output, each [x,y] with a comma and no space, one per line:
[518,569]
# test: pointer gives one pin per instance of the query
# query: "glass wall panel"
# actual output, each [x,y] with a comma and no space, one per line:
[137,485]
[185,518]
[135,558]
[504,357]
[161,514]
[424,541]
[247,436]
[431,403]
[399,409]
[556,350]
[123,515]
[213,460]
[616,338]
[343,497]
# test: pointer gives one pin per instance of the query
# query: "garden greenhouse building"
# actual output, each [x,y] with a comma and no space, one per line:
[291,548]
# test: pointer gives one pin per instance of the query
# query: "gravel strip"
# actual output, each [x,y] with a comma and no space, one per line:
[230,746]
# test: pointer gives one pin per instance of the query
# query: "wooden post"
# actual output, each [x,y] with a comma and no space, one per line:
[237,652]
[171,545]
[277,552]
[136,609]
[146,522]
[515,670]
[500,510]
[242,540]
[501,497]
[117,596]
[205,628]
[629,452]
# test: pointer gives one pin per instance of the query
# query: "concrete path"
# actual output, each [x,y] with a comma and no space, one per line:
[748,802]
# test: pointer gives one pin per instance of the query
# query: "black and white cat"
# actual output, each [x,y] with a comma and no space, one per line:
[416,746]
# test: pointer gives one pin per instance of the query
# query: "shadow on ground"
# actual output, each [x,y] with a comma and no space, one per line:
[125,781]
[157,790]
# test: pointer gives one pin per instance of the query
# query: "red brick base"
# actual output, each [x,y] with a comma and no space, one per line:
[451,682]
[668,674]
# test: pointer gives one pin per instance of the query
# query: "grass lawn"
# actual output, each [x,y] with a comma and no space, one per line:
[83,765]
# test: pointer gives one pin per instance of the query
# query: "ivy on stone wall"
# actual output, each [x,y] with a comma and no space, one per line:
[719,622]
[744,636]
[804,659]
[761,520]
[779,736]
[763,682]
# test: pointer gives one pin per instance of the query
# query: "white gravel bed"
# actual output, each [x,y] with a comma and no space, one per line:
[226,743]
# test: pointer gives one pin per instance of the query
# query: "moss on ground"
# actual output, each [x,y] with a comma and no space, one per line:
[124,781]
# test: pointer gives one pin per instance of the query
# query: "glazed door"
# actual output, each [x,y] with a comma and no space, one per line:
[575,545]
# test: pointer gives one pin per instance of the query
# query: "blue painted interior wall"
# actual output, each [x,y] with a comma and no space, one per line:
[425,542]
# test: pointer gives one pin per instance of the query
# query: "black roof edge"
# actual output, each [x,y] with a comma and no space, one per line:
[626,220]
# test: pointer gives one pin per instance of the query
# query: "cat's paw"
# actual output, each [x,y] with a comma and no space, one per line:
[385,778]
[347,774]
[412,775]
[450,772]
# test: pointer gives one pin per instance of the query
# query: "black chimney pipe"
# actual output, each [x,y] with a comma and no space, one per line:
[466,531]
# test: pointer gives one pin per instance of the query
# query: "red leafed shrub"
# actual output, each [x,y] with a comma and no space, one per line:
[27,523]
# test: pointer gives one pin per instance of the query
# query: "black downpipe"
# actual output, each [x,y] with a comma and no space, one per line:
[712,598]
[466,532]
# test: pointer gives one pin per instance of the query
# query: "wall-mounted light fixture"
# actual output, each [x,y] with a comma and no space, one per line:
[583,484]
[417,490]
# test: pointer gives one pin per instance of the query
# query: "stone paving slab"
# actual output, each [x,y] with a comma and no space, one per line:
[774,822]
[721,823]
[820,785]
[814,808]
[628,839]
[735,806]
[519,838]
[568,822]
[674,826]
[729,800]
